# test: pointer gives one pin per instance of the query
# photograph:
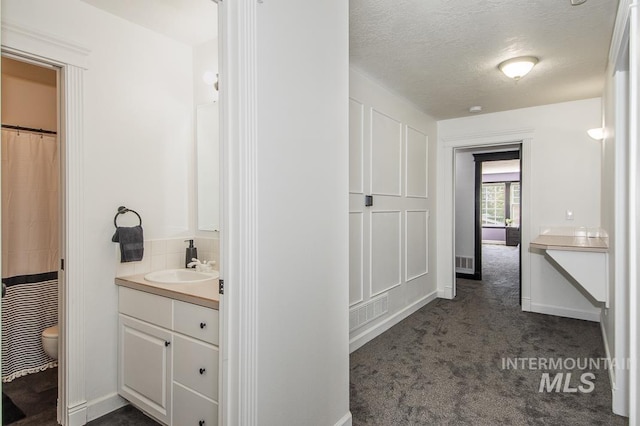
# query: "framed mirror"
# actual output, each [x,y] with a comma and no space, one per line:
[208,166]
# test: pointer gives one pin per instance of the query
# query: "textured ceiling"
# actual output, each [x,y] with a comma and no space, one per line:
[442,55]
[188,21]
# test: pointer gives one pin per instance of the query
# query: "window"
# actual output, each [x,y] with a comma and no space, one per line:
[515,204]
[493,204]
[500,201]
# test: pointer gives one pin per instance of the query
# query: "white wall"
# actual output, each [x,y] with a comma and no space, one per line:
[465,205]
[409,296]
[138,142]
[301,161]
[565,166]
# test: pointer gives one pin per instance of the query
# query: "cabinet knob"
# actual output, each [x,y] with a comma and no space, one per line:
[201,423]
[203,324]
[167,343]
[202,370]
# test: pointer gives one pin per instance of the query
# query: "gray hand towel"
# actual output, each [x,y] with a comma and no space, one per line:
[131,243]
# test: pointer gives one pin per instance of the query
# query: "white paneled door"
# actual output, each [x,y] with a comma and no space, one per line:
[388,239]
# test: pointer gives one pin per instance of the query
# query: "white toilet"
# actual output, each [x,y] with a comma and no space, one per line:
[50,341]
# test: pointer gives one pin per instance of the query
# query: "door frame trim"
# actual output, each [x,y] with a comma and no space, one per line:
[446,203]
[71,58]
[478,159]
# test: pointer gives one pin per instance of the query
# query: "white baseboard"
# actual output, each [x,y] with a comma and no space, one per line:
[77,415]
[100,406]
[612,373]
[526,304]
[379,328]
[561,311]
[446,293]
[346,420]
[618,396]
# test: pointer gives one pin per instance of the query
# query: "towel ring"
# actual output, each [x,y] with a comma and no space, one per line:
[123,210]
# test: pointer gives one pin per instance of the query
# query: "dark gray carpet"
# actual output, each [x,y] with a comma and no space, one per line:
[443,364]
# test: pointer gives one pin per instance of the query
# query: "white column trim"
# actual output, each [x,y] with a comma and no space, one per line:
[72,313]
[72,59]
[634,209]
[239,124]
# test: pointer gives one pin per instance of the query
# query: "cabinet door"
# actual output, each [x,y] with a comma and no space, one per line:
[144,367]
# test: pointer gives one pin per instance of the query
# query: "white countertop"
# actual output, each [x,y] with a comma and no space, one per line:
[203,293]
[571,243]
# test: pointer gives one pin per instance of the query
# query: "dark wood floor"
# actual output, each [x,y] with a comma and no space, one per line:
[36,395]
[125,416]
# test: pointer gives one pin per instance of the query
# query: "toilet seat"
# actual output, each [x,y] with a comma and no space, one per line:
[50,341]
[50,332]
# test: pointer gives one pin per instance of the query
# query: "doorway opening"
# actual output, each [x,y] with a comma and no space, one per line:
[31,238]
[488,215]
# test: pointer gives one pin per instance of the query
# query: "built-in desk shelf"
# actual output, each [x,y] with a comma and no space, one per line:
[584,258]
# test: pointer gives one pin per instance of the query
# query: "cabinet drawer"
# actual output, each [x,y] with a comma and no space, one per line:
[196,321]
[145,306]
[195,365]
[191,409]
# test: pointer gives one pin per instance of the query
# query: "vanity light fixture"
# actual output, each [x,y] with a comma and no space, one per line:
[596,133]
[210,79]
[516,68]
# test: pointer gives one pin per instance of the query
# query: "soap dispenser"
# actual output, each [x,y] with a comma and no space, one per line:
[191,253]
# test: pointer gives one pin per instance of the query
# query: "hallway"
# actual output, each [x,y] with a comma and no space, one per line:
[444,364]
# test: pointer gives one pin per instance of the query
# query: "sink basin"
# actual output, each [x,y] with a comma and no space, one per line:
[180,276]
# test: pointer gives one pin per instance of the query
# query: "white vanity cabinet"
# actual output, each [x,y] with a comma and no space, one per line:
[168,358]
[144,375]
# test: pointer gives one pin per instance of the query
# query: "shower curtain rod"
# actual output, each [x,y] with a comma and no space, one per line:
[29,129]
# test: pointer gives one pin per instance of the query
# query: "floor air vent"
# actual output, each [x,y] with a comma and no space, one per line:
[368,311]
[464,264]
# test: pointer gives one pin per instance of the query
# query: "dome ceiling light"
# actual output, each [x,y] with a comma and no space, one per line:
[516,68]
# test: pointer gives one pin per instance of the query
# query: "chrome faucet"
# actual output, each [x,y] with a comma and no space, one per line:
[205,266]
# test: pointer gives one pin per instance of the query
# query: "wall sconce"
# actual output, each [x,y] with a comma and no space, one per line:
[210,79]
[516,68]
[596,133]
